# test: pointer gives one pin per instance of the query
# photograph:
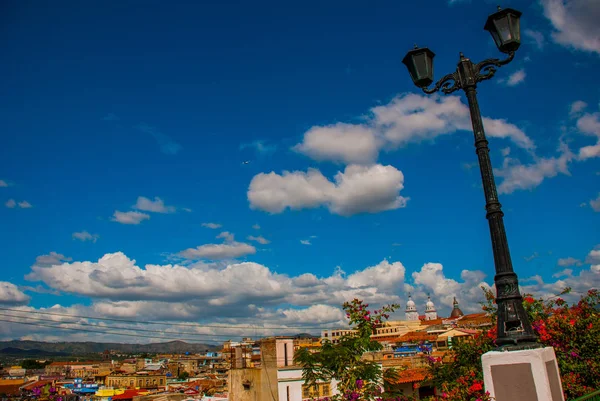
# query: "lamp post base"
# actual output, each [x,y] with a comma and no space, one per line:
[523,375]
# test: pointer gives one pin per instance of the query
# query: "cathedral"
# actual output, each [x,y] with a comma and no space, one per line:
[411,313]
[411,310]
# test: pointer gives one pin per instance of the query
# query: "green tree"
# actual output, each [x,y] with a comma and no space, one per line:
[358,379]
[183,376]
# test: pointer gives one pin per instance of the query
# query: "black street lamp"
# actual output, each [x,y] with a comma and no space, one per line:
[514,328]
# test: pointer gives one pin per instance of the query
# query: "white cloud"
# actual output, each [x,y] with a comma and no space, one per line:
[305,242]
[517,176]
[505,151]
[408,118]
[346,143]
[229,250]
[240,294]
[256,227]
[260,239]
[570,261]
[3,183]
[131,217]
[575,23]
[226,236]
[10,294]
[85,236]
[535,37]
[11,204]
[53,258]
[359,189]
[595,203]
[213,226]
[589,124]
[157,205]
[516,77]
[577,107]
[431,278]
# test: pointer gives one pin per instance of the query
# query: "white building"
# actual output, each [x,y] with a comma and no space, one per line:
[411,310]
[430,312]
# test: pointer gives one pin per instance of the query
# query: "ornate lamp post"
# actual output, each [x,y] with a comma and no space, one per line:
[514,328]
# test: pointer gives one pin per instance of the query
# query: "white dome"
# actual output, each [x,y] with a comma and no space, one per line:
[410,303]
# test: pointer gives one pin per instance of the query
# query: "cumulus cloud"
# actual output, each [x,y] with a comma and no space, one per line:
[10,294]
[359,189]
[408,118]
[305,242]
[575,23]
[11,203]
[256,227]
[517,176]
[131,217]
[212,226]
[85,236]
[51,259]
[157,205]
[260,239]
[346,143]
[3,183]
[240,294]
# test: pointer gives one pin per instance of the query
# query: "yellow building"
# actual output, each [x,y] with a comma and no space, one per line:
[133,380]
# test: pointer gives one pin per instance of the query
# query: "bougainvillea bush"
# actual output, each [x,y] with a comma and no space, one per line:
[358,379]
[572,329]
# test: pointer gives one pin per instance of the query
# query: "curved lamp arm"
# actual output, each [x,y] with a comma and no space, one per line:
[448,84]
[487,68]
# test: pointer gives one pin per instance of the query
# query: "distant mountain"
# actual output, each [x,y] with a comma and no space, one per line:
[81,348]
[11,351]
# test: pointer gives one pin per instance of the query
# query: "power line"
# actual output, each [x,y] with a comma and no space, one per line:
[93,331]
[124,328]
[166,323]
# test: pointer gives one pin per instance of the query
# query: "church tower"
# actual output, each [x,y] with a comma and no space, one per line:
[430,312]
[411,310]
[456,312]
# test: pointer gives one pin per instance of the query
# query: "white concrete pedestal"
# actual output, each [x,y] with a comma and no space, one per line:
[529,375]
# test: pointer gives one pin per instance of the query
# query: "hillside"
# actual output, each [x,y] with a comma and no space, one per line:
[81,348]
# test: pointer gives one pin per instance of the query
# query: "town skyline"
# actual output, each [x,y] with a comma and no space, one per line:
[244,170]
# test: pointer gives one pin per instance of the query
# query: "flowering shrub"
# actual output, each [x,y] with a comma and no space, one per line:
[573,331]
[357,379]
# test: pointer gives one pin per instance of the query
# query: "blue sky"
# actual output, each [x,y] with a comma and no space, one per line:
[279,158]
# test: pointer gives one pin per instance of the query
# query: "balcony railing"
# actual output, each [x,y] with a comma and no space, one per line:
[595,396]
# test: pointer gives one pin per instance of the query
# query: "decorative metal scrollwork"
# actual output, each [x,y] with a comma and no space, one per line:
[448,84]
[509,289]
[487,68]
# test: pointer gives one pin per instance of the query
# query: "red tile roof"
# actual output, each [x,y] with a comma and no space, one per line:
[410,376]
[10,389]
